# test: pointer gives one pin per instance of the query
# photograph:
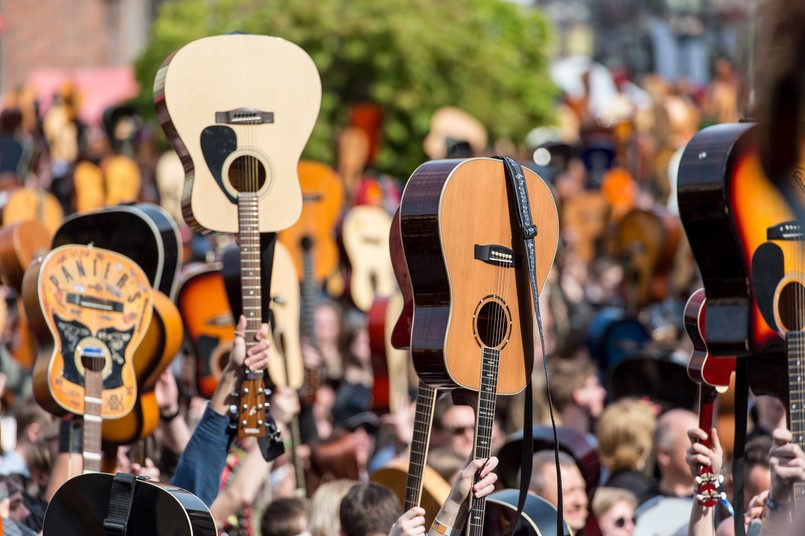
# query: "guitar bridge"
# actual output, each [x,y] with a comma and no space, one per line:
[788,230]
[497,255]
[244,116]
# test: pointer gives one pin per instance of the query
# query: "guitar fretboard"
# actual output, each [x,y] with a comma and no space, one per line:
[251,419]
[93,403]
[423,420]
[484,420]
[795,349]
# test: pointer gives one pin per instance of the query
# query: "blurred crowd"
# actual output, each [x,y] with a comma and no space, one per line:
[612,309]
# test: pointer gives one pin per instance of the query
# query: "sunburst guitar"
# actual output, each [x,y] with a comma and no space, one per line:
[238,110]
[80,300]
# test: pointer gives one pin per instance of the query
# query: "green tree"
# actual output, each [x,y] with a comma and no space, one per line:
[410,57]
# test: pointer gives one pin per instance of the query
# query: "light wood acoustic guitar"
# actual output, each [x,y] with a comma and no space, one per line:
[364,237]
[238,110]
[33,204]
[84,300]
[473,311]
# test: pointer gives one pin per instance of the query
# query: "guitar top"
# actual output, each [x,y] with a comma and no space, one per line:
[239,105]
[365,239]
[80,506]
[468,270]
[311,240]
[81,297]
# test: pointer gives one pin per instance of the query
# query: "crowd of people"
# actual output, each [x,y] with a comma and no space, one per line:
[630,446]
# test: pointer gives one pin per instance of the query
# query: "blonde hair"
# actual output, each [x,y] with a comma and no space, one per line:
[605,498]
[625,434]
[325,506]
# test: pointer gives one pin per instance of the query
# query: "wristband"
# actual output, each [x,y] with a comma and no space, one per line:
[441,528]
[775,506]
[169,418]
[71,436]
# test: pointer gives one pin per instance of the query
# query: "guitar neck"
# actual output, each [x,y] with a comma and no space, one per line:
[308,294]
[93,403]
[423,421]
[795,349]
[484,420]
[251,419]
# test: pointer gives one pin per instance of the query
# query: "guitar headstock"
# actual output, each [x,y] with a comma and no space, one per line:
[252,406]
[707,484]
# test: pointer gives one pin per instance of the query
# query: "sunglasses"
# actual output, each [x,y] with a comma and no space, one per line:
[460,430]
[621,521]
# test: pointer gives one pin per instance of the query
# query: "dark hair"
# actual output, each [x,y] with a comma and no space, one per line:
[285,517]
[756,451]
[368,508]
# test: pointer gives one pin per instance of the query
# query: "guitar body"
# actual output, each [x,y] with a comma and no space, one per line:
[389,365]
[225,102]
[80,505]
[704,205]
[20,244]
[702,367]
[364,237]
[647,240]
[208,322]
[146,233]
[30,204]
[463,303]
[401,333]
[122,181]
[435,489]
[585,221]
[89,192]
[71,305]
[160,345]
[539,515]
[323,196]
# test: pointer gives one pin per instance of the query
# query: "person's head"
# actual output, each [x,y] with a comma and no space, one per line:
[454,426]
[574,488]
[32,421]
[574,382]
[624,432]
[327,322]
[670,443]
[770,413]
[369,509]
[331,459]
[325,505]
[614,509]
[354,340]
[285,517]
[363,429]
[757,477]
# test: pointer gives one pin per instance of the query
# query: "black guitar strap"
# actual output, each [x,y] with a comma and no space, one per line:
[120,501]
[514,172]
[739,443]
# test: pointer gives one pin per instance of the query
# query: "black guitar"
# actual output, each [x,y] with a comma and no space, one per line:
[80,506]
[145,233]
[539,515]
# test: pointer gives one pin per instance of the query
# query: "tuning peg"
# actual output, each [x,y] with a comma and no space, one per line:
[233,409]
[720,479]
[267,391]
[698,480]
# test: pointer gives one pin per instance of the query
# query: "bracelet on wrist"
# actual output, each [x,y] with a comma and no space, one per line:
[775,506]
[169,417]
[441,528]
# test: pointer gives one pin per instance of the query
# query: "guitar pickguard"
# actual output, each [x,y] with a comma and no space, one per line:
[217,143]
[112,342]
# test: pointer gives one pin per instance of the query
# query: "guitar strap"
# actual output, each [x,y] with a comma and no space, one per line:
[739,443]
[514,172]
[120,501]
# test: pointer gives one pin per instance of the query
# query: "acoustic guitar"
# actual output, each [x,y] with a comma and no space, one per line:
[81,505]
[225,102]
[364,238]
[389,365]
[33,204]
[468,273]
[712,374]
[79,300]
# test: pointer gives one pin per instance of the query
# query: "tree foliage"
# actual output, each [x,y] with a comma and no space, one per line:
[411,57]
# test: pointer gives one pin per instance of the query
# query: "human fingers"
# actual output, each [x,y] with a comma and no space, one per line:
[485,486]
[489,465]
[782,436]
[696,435]
[715,442]
[262,333]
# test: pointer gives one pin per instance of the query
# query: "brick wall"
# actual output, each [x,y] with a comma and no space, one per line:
[68,34]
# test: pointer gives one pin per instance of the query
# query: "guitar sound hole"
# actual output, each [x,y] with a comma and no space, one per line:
[792,297]
[492,323]
[247,174]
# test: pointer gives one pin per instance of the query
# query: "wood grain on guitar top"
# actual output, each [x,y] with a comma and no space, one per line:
[238,100]
[448,208]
